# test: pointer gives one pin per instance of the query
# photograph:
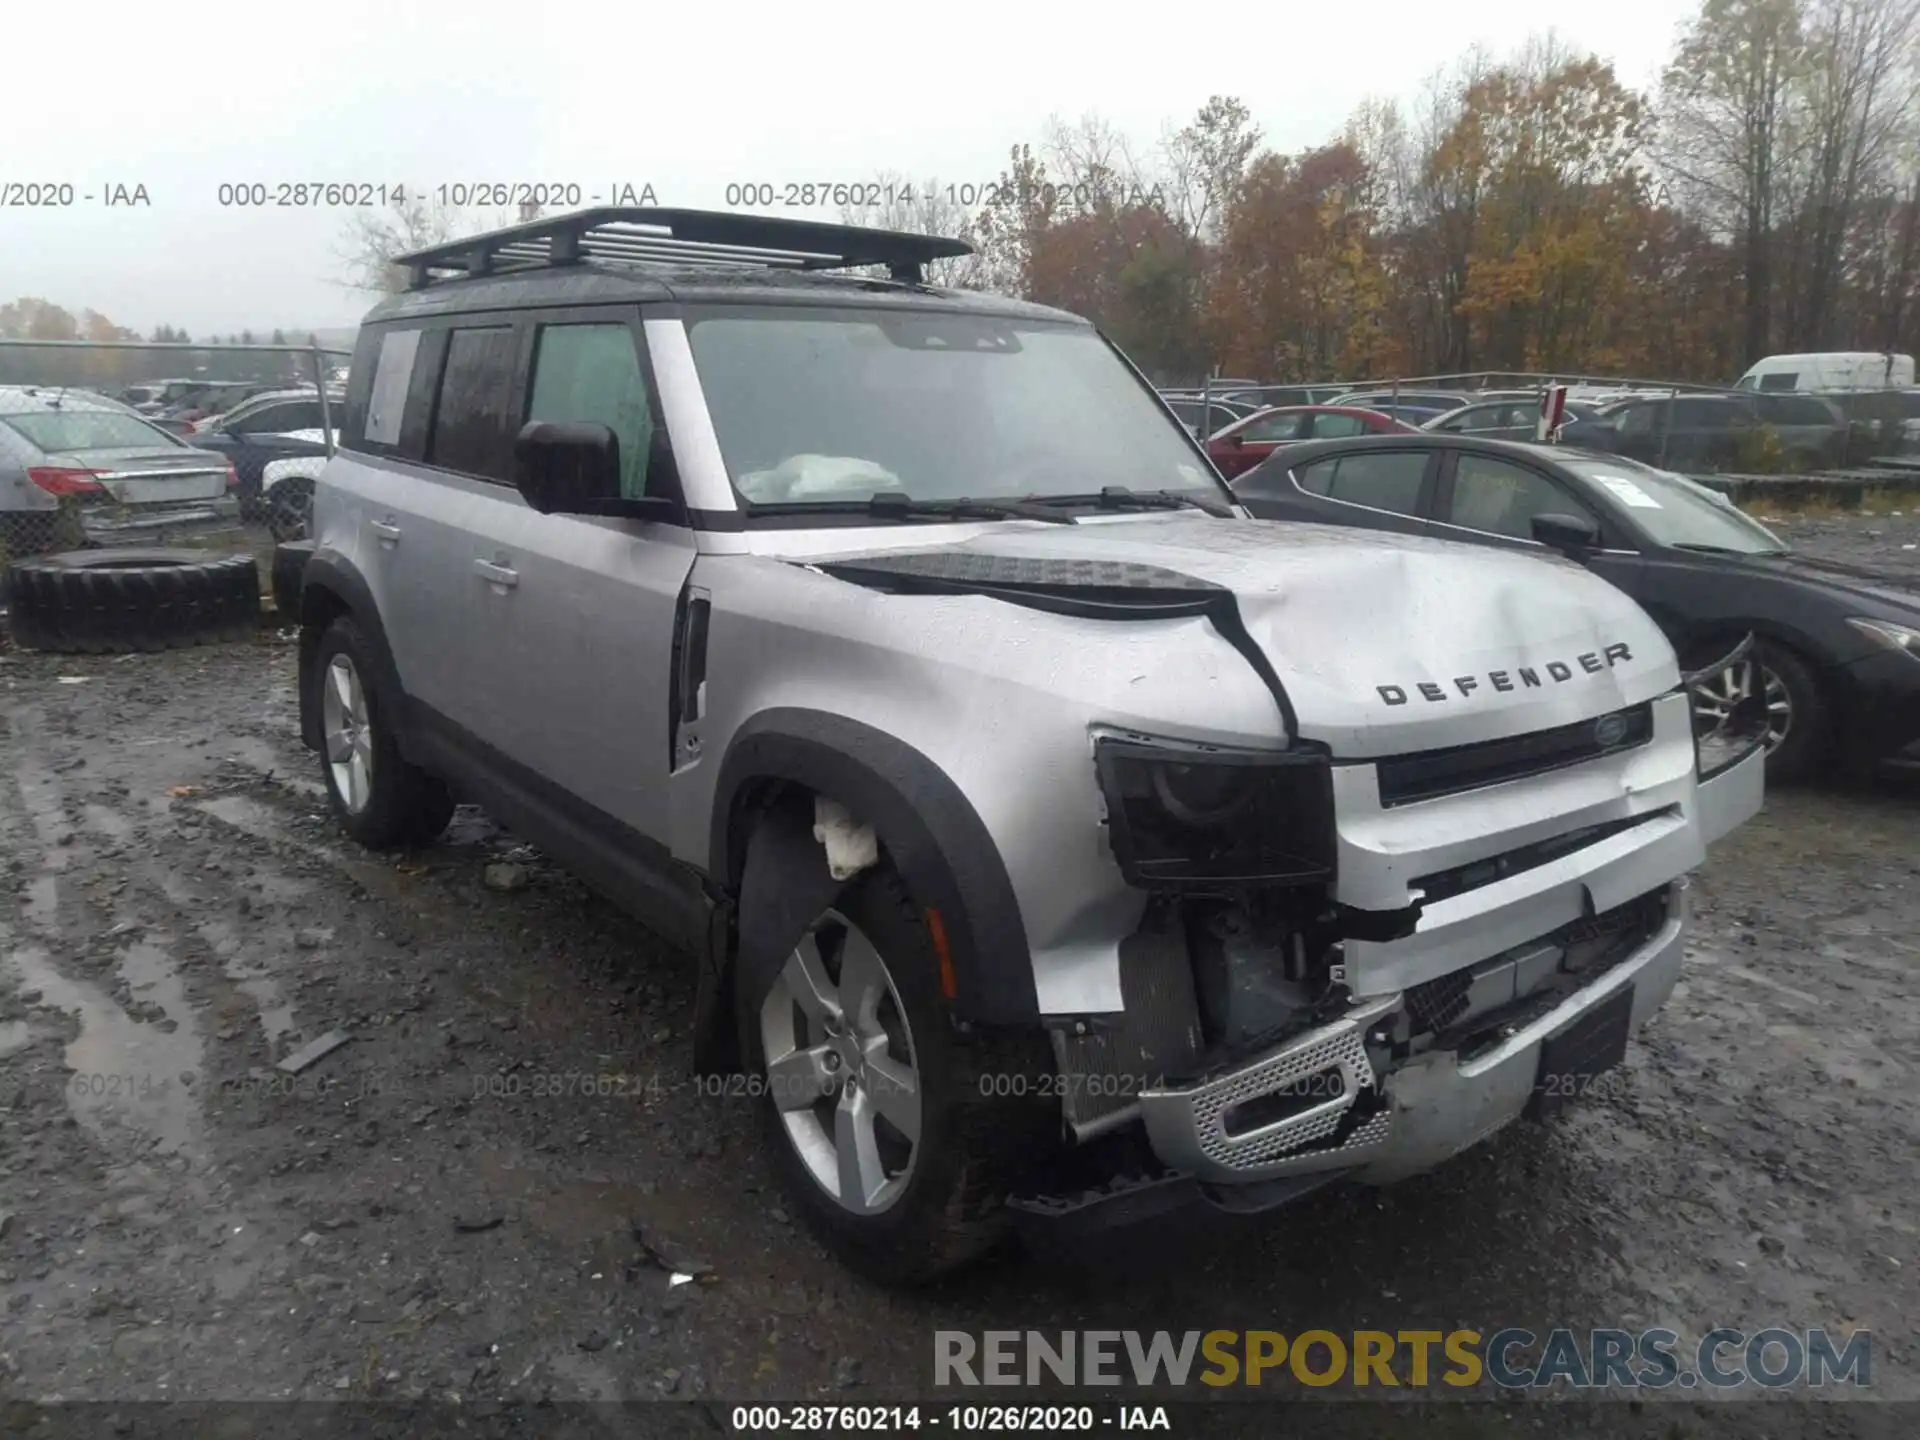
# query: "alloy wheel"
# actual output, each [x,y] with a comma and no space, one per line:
[348,730]
[1721,702]
[840,1066]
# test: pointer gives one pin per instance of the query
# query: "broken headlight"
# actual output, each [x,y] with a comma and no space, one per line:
[1731,718]
[1188,818]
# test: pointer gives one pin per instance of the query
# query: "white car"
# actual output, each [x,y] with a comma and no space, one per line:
[286,487]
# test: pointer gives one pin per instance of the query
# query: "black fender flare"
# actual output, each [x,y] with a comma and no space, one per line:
[927,826]
[331,585]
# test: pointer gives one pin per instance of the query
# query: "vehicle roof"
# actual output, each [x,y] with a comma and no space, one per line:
[1308,450]
[1307,410]
[589,283]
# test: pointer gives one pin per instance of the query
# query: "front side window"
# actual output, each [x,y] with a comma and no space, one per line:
[590,374]
[818,405]
[1501,498]
[470,430]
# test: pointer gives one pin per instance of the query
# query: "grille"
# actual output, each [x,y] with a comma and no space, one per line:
[1430,774]
[1445,884]
[1437,1003]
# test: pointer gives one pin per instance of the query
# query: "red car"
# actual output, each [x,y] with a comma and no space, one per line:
[1245,443]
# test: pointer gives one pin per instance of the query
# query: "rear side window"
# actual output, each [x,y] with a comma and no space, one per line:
[591,373]
[470,431]
[1794,410]
[1273,427]
[1709,414]
[1337,427]
[1387,480]
[391,372]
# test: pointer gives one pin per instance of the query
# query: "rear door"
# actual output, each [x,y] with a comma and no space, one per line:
[571,619]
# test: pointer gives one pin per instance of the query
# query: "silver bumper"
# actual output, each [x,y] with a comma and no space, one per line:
[142,524]
[1435,1104]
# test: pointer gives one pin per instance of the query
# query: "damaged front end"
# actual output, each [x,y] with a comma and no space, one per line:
[1358,970]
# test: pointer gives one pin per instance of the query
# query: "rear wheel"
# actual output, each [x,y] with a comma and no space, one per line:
[379,798]
[897,1141]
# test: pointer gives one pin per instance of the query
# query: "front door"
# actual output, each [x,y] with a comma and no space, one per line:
[571,671]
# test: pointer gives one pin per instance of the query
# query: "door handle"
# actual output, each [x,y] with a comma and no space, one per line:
[388,532]
[496,574]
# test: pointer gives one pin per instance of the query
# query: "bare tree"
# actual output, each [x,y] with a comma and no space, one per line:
[373,237]
[929,208]
[1729,139]
[1861,97]
[1206,164]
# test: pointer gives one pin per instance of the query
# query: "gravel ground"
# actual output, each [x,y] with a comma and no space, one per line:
[412,1219]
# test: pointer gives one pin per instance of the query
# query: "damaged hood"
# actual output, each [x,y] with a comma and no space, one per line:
[1383,644]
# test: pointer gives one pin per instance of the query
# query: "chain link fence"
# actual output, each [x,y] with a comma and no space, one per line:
[141,444]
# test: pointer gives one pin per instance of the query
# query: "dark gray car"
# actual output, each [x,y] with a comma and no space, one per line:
[77,469]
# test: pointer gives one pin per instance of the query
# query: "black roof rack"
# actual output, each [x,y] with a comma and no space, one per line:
[627,235]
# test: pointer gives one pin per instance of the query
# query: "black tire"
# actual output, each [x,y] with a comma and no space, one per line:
[289,507]
[112,601]
[405,806]
[974,1143]
[1806,751]
[289,566]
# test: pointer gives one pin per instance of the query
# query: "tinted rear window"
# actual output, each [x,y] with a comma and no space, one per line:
[470,426]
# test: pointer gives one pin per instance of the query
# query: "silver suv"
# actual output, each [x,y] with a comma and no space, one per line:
[1057,844]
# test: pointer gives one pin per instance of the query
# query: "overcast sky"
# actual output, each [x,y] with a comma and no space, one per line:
[687,99]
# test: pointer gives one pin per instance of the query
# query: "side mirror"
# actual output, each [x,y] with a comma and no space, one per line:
[1571,535]
[574,469]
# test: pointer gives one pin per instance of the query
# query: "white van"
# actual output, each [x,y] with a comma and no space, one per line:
[1829,372]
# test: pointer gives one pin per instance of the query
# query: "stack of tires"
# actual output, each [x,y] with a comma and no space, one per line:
[110,601]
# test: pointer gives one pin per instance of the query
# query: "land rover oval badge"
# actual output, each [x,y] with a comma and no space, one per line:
[1609,730]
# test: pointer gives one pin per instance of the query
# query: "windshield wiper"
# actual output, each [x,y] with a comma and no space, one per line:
[1120,497]
[1704,548]
[891,505]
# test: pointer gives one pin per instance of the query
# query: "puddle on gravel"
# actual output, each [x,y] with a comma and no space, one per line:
[251,817]
[126,1073]
[245,962]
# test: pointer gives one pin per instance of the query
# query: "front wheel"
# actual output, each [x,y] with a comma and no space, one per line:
[1777,680]
[898,1142]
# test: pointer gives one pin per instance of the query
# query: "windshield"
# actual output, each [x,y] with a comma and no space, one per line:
[58,430]
[1673,510]
[838,405]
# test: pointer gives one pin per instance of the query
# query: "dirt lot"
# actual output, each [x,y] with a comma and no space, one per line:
[412,1220]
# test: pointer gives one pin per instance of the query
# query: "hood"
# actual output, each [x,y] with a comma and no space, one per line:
[1384,644]
[1883,586]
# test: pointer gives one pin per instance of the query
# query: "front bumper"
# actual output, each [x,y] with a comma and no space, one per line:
[1883,711]
[1423,1109]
